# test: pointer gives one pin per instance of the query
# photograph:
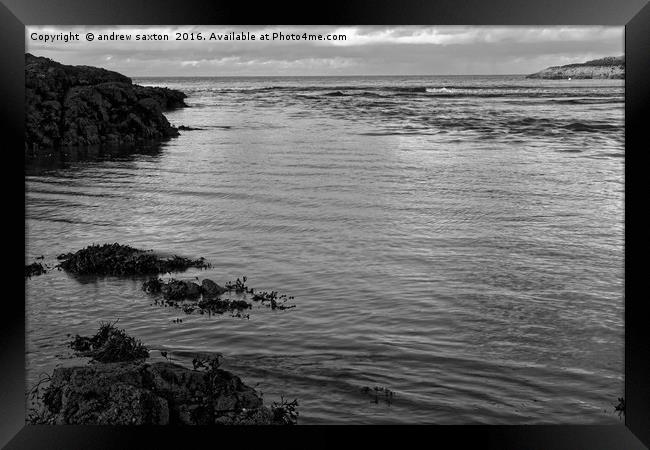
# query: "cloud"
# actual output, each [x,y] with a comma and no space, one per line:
[365,50]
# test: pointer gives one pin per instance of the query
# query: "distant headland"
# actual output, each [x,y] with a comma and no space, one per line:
[610,67]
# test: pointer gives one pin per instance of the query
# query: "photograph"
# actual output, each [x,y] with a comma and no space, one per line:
[324,225]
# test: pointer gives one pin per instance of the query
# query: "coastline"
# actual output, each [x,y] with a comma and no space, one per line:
[604,68]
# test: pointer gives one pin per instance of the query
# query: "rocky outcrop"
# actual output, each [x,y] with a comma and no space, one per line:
[160,393]
[609,67]
[119,388]
[120,260]
[211,289]
[69,106]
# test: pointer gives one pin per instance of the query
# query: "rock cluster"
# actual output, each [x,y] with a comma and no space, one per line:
[119,388]
[68,106]
[117,259]
[160,393]
[190,296]
[34,269]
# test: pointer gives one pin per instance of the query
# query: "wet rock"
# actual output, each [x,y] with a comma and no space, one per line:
[104,394]
[69,106]
[116,259]
[179,290]
[152,286]
[193,290]
[214,305]
[165,97]
[132,392]
[211,289]
[189,296]
[239,304]
[161,393]
[34,269]
[184,294]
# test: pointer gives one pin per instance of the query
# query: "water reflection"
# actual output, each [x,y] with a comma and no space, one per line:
[44,160]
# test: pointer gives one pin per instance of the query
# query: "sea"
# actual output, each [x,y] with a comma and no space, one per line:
[453,244]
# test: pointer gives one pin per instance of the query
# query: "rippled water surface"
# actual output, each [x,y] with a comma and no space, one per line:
[457,240]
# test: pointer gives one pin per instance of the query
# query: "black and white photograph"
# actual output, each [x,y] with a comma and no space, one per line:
[324,225]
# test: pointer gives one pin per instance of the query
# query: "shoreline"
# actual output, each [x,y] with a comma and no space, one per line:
[603,69]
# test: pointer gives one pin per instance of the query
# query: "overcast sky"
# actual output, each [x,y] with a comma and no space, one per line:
[376,50]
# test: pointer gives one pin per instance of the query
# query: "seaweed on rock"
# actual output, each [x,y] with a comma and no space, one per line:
[159,393]
[34,269]
[239,286]
[207,296]
[274,301]
[620,408]
[284,412]
[117,259]
[109,344]
[376,391]
[80,106]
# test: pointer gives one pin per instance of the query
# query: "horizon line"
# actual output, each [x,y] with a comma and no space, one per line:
[332,76]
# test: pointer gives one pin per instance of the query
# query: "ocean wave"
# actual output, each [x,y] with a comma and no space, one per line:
[443,90]
[575,96]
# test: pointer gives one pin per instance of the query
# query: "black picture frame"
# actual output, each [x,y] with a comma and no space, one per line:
[634,433]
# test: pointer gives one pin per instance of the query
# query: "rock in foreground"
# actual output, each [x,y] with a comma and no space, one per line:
[610,67]
[67,106]
[120,388]
[160,393]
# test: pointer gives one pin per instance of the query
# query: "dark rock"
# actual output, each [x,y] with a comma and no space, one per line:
[178,290]
[34,269]
[214,304]
[174,290]
[193,290]
[165,97]
[104,394]
[69,106]
[185,128]
[240,304]
[211,289]
[152,286]
[160,393]
[117,259]
[204,297]
[128,391]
